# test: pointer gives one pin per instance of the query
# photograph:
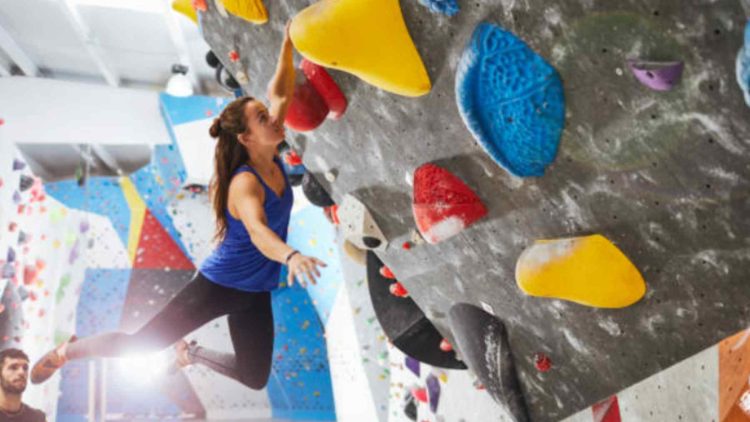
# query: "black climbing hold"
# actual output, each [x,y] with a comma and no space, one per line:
[295,179]
[314,191]
[410,407]
[483,342]
[25,183]
[371,242]
[212,60]
[404,323]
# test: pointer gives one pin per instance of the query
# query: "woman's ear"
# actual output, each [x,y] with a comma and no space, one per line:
[243,138]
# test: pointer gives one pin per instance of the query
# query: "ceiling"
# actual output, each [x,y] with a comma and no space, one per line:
[128,43]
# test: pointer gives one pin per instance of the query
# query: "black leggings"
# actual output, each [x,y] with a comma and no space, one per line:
[250,326]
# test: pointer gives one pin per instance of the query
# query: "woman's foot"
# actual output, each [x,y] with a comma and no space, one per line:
[45,367]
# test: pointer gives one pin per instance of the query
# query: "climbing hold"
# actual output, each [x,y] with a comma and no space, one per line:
[334,210]
[659,76]
[324,84]
[18,164]
[23,238]
[12,226]
[608,410]
[316,97]
[387,273]
[413,365]
[314,192]
[330,175]
[443,205]
[307,110]
[29,274]
[445,345]
[397,289]
[200,5]
[406,246]
[186,8]
[11,255]
[359,226]
[241,78]
[511,100]
[251,10]
[542,362]
[420,393]
[25,182]
[483,341]
[433,392]
[17,197]
[367,38]
[410,407]
[743,65]
[357,255]
[446,7]
[292,158]
[234,56]
[589,270]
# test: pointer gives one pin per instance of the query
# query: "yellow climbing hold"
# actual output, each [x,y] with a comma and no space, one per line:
[367,38]
[251,10]
[186,8]
[588,270]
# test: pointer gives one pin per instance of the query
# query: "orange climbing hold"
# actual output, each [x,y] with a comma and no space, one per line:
[200,5]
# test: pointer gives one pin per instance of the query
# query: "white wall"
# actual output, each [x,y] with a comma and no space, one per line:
[37,110]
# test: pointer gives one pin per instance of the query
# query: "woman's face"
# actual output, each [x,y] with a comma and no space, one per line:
[263,129]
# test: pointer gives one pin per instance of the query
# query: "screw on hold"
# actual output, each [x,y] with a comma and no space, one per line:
[406,246]
[387,273]
[234,56]
[542,362]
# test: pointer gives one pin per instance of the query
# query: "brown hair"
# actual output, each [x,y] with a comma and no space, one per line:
[12,353]
[229,155]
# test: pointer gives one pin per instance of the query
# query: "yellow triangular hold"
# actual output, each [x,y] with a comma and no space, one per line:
[367,38]
[186,8]
[588,270]
[250,10]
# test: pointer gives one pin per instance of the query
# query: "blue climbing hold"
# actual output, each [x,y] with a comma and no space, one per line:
[743,66]
[511,100]
[446,7]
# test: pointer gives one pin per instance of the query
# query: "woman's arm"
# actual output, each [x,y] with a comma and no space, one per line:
[248,196]
[281,86]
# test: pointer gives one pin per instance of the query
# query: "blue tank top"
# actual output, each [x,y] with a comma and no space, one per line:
[237,262]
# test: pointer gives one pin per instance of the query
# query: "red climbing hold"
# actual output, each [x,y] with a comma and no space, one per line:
[292,158]
[200,5]
[308,109]
[446,346]
[542,362]
[607,410]
[443,205]
[326,87]
[406,246]
[335,214]
[2,122]
[387,273]
[420,394]
[234,56]
[397,289]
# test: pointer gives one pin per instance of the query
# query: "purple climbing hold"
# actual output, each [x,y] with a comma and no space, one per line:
[412,364]
[659,76]
[11,257]
[84,226]
[73,256]
[446,7]
[16,197]
[18,164]
[433,392]
[9,270]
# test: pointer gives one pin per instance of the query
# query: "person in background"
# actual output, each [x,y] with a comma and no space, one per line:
[14,374]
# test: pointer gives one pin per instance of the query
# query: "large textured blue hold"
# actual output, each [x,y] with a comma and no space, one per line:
[743,66]
[446,7]
[511,100]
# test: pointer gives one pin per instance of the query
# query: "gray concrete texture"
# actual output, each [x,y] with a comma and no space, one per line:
[663,175]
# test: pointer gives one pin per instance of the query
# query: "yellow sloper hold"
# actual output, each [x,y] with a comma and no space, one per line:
[186,8]
[250,10]
[137,215]
[588,270]
[367,38]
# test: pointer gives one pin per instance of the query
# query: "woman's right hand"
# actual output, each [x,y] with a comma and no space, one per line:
[301,267]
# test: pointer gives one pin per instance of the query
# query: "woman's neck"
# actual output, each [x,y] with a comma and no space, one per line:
[262,157]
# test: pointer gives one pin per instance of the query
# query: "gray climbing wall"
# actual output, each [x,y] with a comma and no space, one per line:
[663,175]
